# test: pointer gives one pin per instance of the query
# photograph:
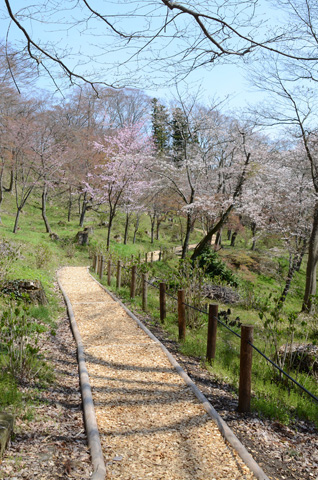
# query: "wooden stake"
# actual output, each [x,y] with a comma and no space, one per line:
[246,354]
[144,291]
[101,267]
[118,284]
[109,272]
[212,329]
[97,263]
[133,281]
[181,315]
[162,301]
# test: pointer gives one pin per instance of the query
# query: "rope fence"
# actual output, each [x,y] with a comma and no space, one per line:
[246,336]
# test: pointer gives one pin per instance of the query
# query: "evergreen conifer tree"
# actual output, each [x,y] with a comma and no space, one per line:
[180,135]
[160,126]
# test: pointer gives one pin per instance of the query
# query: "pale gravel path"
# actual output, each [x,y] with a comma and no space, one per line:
[151,424]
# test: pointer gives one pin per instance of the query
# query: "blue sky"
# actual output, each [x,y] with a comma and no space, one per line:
[221,82]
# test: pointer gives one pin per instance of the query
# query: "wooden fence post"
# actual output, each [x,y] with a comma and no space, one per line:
[244,403]
[162,301]
[181,315]
[144,291]
[101,267]
[118,284]
[97,263]
[212,329]
[146,257]
[109,272]
[160,254]
[94,261]
[133,281]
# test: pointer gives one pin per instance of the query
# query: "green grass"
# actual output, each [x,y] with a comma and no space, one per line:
[9,393]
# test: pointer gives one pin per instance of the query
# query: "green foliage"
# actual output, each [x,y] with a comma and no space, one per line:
[9,253]
[278,328]
[216,269]
[19,342]
[68,247]
[41,313]
[180,134]
[160,126]
[43,255]
[9,393]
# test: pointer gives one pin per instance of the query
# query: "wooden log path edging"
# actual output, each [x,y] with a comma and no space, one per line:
[170,412]
[92,432]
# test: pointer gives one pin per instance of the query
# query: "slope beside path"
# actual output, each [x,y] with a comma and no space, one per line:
[151,424]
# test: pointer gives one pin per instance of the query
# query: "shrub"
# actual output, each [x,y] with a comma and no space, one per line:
[43,255]
[9,253]
[216,269]
[19,351]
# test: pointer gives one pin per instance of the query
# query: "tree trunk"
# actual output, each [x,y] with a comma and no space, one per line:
[44,198]
[294,266]
[126,229]
[157,229]
[152,222]
[10,188]
[218,239]
[111,217]
[108,232]
[206,241]
[83,210]
[185,245]
[79,204]
[310,289]
[15,228]
[136,228]
[233,238]
[1,190]
[253,228]
[70,204]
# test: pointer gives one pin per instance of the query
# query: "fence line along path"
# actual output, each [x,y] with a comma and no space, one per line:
[150,423]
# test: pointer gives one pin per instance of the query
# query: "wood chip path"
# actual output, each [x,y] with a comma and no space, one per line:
[151,424]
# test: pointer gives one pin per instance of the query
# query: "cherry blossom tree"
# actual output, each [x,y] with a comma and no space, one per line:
[37,159]
[230,166]
[279,200]
[293,107]
[127,152]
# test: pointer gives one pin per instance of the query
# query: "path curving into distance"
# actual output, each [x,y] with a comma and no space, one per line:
[151,425]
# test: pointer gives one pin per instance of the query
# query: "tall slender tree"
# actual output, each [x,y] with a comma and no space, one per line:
[160,126]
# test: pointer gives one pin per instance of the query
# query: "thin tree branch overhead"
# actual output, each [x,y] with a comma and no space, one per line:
[150,42]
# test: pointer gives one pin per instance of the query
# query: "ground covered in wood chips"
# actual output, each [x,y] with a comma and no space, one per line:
[284,452]
[50,440]
[150,422]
